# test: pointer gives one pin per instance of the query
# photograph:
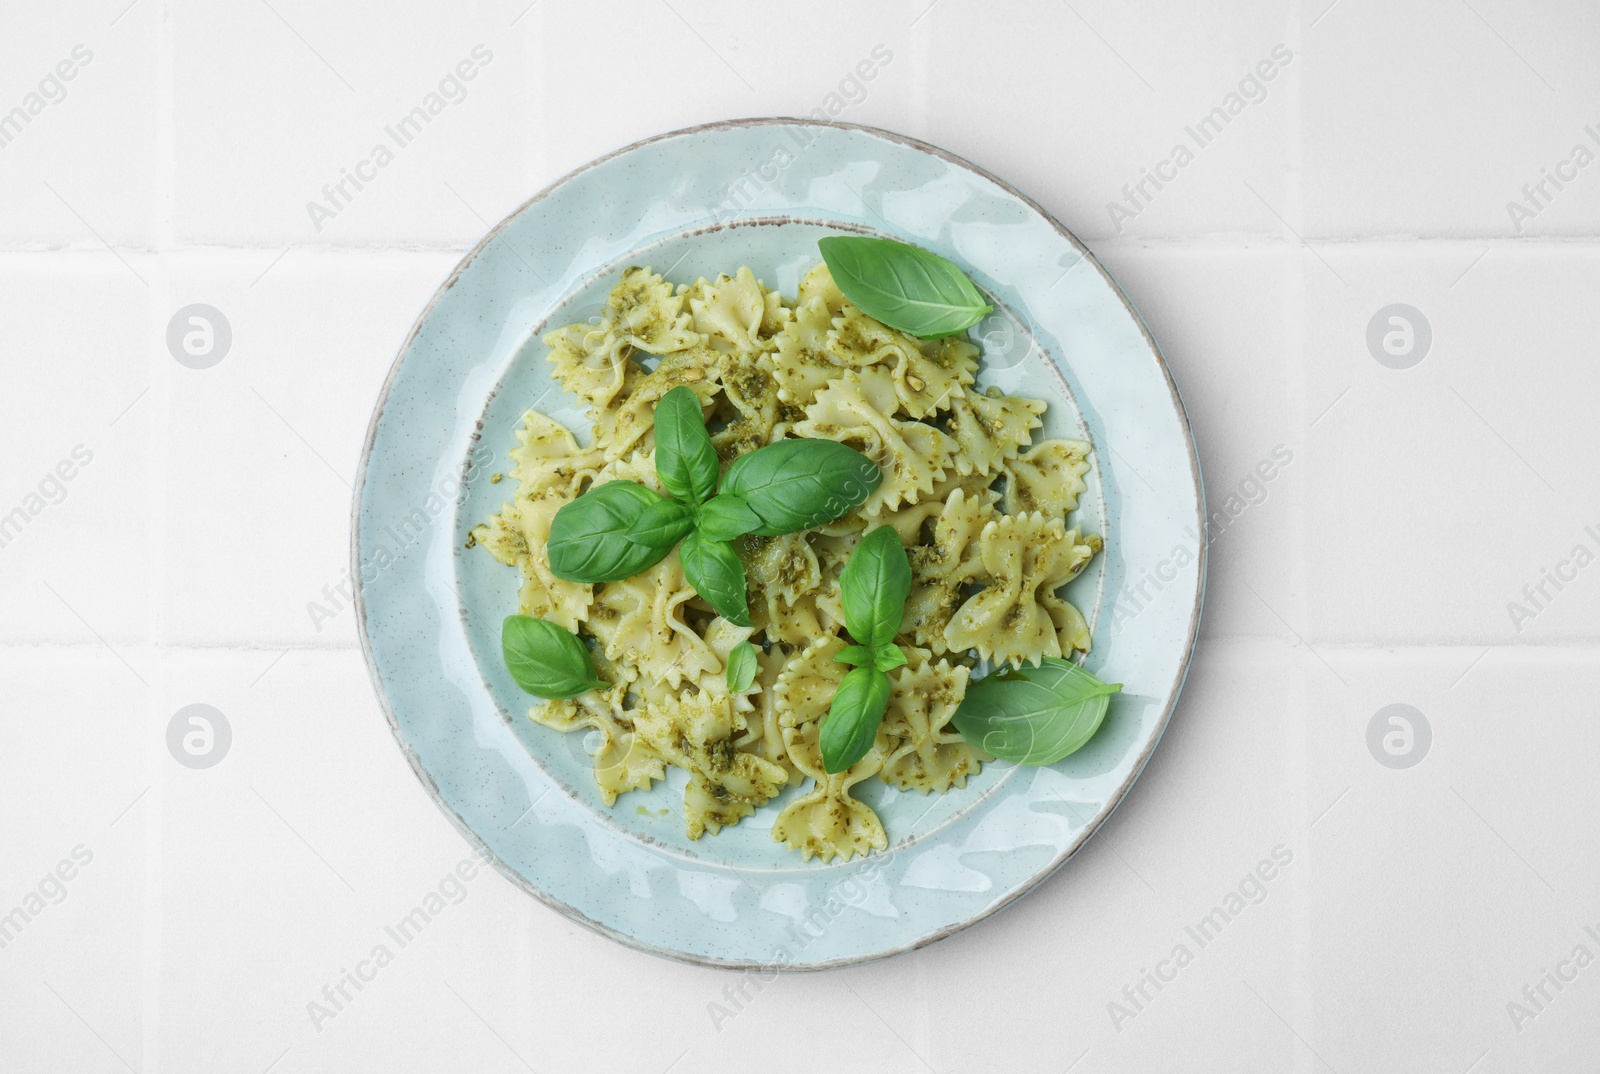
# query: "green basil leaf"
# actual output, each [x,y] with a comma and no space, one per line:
[663,524]
[588,541]
[795,485]
[852,721]
[742,667]
[873,587]
[855,655]
[1034,716]
[715,571]
[546,660]
[888,657]
[722,518]
[686,460]
[905,287]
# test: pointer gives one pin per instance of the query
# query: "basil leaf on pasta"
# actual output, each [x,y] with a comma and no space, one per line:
[858,656]
[888,657]
[722,518]
[715,571]
[588,541]
[662,525]
[742,667]
[904,286]
[795,485]
[852,720]
[546,660]
[1034,716]
[873,587]
[686,461]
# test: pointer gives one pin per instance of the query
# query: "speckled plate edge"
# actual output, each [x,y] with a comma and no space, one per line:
[478,843]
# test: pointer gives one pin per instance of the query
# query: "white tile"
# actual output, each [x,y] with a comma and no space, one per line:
[740,69]
[82,751]
[260,450]
[1109,94]
[1438,891]
[82,169]
[1436,493]
[278,873]
[1427,118]
[339,79]
[75,461]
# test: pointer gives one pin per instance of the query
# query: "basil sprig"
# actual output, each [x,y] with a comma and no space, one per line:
[546,660]
[1034,716]
[873,586]
[616,530]
[905,287]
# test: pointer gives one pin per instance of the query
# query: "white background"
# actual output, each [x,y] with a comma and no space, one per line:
[1376,568]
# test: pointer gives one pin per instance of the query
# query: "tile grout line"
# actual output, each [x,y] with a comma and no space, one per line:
[159,297]
[1301,1004]
[1230,241]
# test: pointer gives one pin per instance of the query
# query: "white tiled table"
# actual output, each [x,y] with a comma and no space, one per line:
[208,908]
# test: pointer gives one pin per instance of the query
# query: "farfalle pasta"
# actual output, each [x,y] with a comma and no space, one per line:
[981,508]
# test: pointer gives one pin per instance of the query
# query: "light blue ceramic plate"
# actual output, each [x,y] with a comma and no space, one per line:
[692,203]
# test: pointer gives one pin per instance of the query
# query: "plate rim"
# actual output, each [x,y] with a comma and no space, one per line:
[480,846]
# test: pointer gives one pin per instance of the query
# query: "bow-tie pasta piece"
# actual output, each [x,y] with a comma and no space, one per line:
[748,406]
[589,364]
[827,822]
[941,569]
[990,428]
[720,637]
[697,733]
[856,409]
[1048,479]
[623,761]
[818,284]
[1025,560]
[594,361]
[644,311]
[927,374]
[549,469]
[547,458]
[640,622]
[638,466]
[620,428]
[735,313]
[805,688]
[802,364]
[914,522]
[925,752]
[518,536]
[785,585]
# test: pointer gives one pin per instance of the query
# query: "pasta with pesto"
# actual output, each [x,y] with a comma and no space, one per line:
[980,506]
